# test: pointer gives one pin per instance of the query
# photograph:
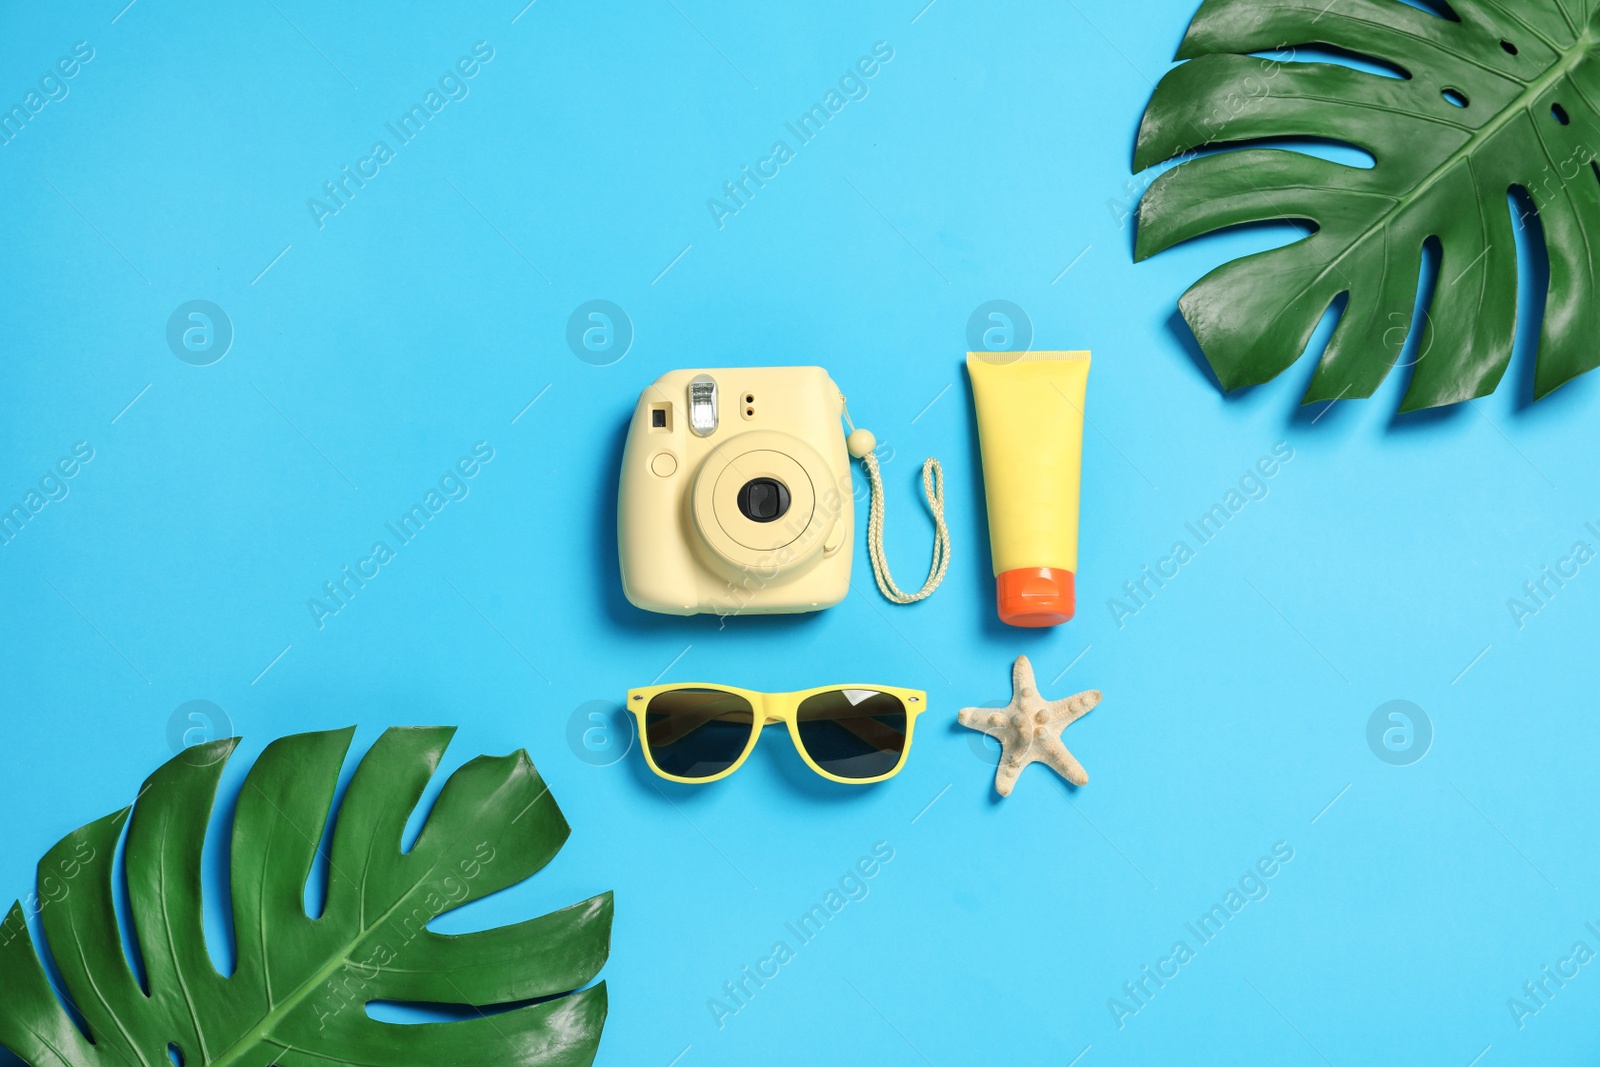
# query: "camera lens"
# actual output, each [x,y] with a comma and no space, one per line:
[763,499]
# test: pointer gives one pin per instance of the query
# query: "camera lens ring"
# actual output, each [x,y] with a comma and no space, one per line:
[734,547]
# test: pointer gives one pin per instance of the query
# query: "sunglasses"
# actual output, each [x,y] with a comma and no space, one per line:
[846,733]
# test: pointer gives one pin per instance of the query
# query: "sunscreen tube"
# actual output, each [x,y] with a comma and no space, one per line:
[1030,431]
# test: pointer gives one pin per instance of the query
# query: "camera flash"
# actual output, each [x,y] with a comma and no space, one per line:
[703,405]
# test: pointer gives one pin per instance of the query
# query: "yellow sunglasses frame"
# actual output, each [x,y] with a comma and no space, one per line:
[776,708]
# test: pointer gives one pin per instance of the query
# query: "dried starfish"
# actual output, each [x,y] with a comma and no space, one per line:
[1029,728]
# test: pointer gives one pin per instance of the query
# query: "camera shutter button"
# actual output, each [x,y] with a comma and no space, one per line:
[835,539]
[663,464]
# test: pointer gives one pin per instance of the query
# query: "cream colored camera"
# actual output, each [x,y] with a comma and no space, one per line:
[735,495]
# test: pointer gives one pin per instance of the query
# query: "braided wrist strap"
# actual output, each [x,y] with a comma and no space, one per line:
[933,489]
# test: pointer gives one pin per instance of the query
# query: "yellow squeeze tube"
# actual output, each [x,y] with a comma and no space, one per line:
[1030,431]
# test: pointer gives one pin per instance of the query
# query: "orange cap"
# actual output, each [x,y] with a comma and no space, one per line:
[1035,596]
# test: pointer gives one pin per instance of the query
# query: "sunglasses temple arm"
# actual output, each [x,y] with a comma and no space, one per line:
[677,727]
[873,732]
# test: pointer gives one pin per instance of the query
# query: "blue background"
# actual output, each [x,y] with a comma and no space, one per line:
[990,155]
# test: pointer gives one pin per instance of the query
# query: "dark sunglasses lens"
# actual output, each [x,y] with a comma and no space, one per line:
[697,733]
[853,733]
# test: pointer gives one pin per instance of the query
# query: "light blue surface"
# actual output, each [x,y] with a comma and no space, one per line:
[988,156]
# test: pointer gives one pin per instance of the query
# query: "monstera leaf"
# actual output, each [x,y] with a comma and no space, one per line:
[298,994]
[1495,94]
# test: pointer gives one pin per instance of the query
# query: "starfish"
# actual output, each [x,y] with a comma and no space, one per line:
[1029,728]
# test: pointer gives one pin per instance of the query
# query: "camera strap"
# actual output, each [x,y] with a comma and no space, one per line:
[863,445]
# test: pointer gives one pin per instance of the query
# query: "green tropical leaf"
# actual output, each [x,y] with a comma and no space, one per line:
[1496,94]
[298,993]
